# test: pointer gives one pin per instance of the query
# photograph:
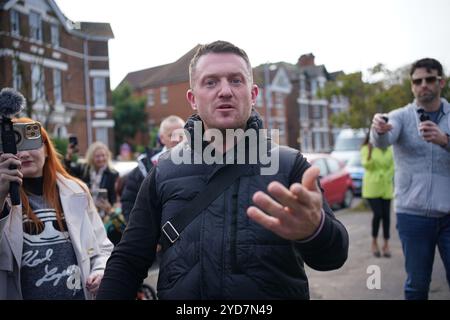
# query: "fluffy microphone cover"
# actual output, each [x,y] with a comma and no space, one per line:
[11,102]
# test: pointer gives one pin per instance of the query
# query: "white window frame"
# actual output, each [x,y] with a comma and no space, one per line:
[318,143]
[282,128]
[15,22]
[54,32]
[326,140]
[57,87]
[101,134]
[99,84]
[305,146]
[304,112]
[151,98]
[35,25]
[17,77]
[316,111]
[279,100]
[37,82]
[164,95]
[302,87]
[313,87]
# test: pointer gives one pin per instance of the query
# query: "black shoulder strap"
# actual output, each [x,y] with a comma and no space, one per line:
[223,178]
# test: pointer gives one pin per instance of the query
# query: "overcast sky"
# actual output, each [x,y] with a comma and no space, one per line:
[348,35]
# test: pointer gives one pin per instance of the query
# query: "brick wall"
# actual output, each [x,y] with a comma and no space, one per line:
[70,51]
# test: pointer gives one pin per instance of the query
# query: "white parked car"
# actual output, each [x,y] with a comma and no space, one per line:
[347,149]
[124,167]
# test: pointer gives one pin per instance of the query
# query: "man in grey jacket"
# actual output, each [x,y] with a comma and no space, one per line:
[419,133]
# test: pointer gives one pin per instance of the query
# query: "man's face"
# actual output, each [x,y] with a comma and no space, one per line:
[170,136]
[426,86]
[222,92]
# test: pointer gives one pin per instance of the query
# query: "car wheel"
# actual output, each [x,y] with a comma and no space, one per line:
[348,198]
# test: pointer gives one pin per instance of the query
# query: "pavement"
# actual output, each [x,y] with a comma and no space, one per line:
[350,282]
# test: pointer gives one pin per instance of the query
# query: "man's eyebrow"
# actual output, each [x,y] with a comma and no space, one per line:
[228,75]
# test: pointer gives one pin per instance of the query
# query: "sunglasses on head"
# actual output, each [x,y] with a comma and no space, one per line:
[428,80]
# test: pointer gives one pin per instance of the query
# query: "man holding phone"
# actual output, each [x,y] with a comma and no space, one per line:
[419,133]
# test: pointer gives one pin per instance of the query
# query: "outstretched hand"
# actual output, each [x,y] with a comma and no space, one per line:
[379,124]
[294,213]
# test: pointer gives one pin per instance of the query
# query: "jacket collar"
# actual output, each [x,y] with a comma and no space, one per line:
[253,122]
[69,187]
[446,106]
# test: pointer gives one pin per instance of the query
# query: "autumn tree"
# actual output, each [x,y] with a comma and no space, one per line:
[384,91]
[129,114]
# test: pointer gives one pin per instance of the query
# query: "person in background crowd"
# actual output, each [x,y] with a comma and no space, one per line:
[378,188]
[53,245]
[419,133]
[134,179]
[97,173]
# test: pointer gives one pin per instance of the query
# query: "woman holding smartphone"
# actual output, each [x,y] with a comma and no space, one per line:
[53,245]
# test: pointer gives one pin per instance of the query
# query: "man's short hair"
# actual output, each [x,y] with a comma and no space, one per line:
[169,121]
[217,47]
[427,63]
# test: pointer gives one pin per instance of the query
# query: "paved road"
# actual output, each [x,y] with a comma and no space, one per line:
[349,282]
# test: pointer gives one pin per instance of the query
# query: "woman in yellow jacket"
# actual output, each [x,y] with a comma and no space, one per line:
[378,188]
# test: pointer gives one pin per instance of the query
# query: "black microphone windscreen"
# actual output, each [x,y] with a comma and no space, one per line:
[11,102]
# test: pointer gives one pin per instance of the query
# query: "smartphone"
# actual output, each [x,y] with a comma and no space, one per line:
[102,194]
[73,140]
[422,115]
[28,136]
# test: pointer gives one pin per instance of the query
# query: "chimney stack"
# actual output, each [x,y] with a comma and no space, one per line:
[306,60]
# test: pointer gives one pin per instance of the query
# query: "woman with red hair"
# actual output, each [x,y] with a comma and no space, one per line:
[53,245]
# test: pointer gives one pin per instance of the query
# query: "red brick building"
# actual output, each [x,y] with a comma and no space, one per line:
[61,67]
[165,88]
[275,86]
[309,114]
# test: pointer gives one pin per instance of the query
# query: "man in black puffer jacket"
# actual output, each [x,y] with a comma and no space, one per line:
[245,244]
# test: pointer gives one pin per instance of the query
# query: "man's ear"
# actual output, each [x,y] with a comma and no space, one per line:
[191,99]
[255,91]
[442,83]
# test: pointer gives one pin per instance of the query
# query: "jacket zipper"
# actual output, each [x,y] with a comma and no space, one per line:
[234,218]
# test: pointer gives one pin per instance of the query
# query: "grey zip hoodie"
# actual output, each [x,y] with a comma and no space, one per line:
[422,169]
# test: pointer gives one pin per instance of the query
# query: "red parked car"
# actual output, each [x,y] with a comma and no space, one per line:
[334,179]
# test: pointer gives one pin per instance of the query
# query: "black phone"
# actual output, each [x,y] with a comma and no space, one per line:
[422,115]
[73,140]
[100,193]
